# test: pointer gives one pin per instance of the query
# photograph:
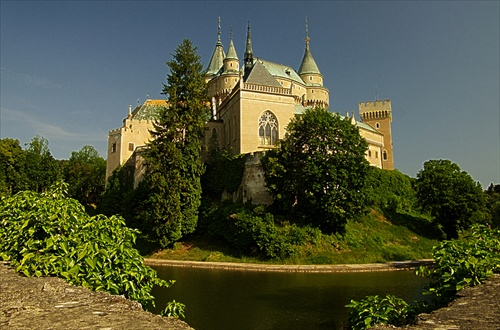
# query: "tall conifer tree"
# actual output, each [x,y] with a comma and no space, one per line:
[174,155]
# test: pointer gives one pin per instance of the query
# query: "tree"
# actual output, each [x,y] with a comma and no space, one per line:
[85,172]
[492,200]
[12,167]
[450,195]
[318,170]
[42,169]
[173,157]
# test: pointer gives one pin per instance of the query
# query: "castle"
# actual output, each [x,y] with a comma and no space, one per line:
[251,107]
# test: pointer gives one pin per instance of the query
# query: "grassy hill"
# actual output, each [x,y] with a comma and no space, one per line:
[374,238]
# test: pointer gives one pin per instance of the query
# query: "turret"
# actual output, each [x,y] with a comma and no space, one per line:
[217,60]
[317,95]
[231,61]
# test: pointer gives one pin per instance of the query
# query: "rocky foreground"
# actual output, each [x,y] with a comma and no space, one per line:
[52,303]
[476,308]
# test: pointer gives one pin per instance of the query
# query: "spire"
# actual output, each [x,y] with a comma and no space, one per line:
[308,65]
[231,52]
[218,56]
[248,50]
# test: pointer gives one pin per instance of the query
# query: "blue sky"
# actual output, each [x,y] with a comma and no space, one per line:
[70,69]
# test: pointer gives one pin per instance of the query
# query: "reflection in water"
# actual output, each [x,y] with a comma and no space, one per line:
[232,299]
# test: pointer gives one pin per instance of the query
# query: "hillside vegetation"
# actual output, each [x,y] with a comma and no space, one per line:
[374,238]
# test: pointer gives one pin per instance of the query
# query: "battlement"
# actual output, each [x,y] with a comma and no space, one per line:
[378,105]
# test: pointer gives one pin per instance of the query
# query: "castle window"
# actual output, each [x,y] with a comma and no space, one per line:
[376,154]
[113,147]
[377,125]
[268,129]
[369,153]
[384,155]
[130,146]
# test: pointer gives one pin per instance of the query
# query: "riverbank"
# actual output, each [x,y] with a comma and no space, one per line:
[340,268]
[52,303]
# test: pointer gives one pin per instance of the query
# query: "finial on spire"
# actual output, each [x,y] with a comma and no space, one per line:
[307,34]
[231,32]
[218,29]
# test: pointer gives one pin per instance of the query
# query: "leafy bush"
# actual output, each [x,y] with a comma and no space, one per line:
[374,310]
[253,229]
[50,235]
[457,264]
[390,190]
[464,262]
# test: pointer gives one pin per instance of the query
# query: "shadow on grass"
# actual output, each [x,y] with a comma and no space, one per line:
[419,225]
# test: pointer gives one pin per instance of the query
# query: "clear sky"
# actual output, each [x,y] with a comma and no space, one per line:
[69,69]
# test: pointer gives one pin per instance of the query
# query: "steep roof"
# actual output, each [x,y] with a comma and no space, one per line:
[231,52]
[281,71]
[218,56]
[260,75]
[308,65]
[149,110]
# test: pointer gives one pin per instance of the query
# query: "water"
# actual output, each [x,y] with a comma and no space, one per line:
[228,299]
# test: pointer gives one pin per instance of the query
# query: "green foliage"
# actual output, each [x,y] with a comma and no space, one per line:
[464,262]
[12,167]
[49,234]
[174,309]
[252,229]
[173,157]
[42,170]
[375,310]
[224,173]
[492,199]
[317,172]
[390,190]
[85,173]
[457,264]
[451,195]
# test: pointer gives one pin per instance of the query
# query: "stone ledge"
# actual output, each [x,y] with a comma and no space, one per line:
[52,303]
[340,268]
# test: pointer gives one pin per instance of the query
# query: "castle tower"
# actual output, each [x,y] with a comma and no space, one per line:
[378,114]
[316,95]
[231,61]
[217,60]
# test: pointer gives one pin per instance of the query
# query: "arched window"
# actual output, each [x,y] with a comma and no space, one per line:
[268,129]
[384,155]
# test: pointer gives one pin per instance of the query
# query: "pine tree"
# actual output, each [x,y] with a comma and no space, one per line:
[173,157]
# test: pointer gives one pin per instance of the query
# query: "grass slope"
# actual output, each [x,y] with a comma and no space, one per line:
[374,238]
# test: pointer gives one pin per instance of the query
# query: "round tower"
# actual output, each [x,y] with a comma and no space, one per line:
[316,93]
[378,114]
[231,61]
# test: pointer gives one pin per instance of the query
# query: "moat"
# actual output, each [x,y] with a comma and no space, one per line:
[235,299]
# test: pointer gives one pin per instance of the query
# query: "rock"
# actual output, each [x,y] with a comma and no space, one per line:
[52,303]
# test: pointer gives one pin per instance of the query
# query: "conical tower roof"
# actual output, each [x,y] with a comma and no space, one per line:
[308,65]
[218,56]
[231,51]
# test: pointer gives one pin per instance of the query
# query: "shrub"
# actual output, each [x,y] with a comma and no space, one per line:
[464,262]
[50,235]
[374,310]
[250,229]
[457,264]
